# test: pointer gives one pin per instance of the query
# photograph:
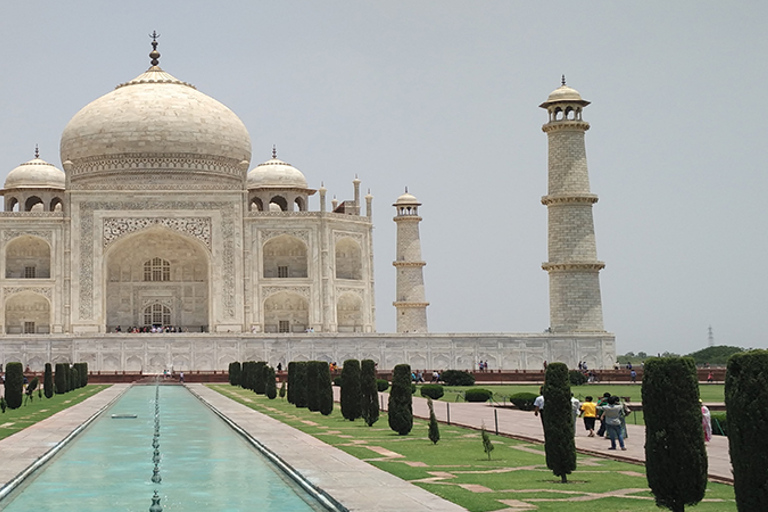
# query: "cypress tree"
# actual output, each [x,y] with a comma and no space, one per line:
[270,386]
[84,374]
[746,399]
[14,385]
[291,378]
[351,397]
[400,414]
[234,373]
[559,445]
[258,377]
[434,429]
[75,376]
[48,381]
[248,375]
[675,454]
[311,387]
[369,391]
[325,387]
[300,383]
[60,378]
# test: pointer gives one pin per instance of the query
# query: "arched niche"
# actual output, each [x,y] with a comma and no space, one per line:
[280,202]
[257,205]
[28,257]
[349,313]
[56,204]
[285,256]
[11,204]
[160,268]
[349,259]
[286,312]
[34,204]
[27,313]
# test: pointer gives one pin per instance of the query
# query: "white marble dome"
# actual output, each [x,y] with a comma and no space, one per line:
[564,94]
[275,173]
[155,124]
[407,199]
[37,173]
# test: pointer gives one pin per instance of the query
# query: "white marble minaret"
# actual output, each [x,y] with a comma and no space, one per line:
[574,279]
[411,303]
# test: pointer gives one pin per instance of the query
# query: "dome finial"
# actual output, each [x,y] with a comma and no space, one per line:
[274,151]
[406,189]
[37,151]
[562,80]
[154,54]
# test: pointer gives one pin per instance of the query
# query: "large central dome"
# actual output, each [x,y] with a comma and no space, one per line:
[155,132]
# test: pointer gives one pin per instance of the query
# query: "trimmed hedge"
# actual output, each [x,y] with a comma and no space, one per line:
[400,414]
[523,401]
[61,377]
[312,386]
[477,395]
[259,380]
[291,380]
[382,385]
[325,387]
[458,378]
[577,378]
[48,381]
[14,385]
[369,392]
[433,391]
[351,396]
[270,384]
[234,373]
[300,383]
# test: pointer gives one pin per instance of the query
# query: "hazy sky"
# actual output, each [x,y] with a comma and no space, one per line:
[442,97]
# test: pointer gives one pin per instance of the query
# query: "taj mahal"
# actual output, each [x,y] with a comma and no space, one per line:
[158,244]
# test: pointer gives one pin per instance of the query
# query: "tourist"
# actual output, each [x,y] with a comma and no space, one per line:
[612,420]
[706,422]
[575,408]
[633,376]
[538,406]
[279,367]
[589,412]
[181,376]
[600,403]
[710,377]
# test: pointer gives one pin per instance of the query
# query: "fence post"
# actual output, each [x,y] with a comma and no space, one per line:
[496,419]
[448,412]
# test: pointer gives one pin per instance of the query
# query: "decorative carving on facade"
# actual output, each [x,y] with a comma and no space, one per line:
[357,237]
[153,162]
[569,199]
[303,291]
[11,234]
[268,234]
[87,209]
[592,266]
[12,290]
[356,291]
[196,227]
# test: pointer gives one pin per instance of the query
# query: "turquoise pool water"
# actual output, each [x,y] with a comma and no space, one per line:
[204,464]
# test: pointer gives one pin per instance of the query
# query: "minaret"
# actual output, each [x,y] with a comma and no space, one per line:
[574,279]
[411,303]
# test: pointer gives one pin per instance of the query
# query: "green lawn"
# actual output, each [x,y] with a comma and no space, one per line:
[39,409]
[458,469]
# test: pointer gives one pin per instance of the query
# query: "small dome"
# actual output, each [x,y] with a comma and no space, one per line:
[407,199]
[275,173]
[564,94]
[37,173]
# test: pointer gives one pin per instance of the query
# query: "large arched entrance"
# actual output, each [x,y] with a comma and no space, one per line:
[27,313]
[157,278]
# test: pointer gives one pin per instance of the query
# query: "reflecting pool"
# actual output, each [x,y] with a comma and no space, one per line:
[204,464]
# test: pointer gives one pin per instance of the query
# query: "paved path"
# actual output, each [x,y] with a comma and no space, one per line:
[524,425]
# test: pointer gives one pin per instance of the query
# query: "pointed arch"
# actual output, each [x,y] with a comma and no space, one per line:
[28,257]
[286,312]
[285,256]
[27,312]
[349,259]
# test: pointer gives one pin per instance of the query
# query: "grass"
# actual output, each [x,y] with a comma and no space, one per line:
[39,409]
[458,469]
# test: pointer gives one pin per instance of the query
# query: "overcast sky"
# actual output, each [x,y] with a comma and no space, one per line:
[442,97]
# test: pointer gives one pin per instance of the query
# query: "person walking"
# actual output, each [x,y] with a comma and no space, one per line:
[600,403]
[706,422]
[575,408]
[538,406]
[589,412]
[612,420]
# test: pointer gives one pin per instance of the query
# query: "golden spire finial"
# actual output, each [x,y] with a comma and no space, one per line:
[154,54]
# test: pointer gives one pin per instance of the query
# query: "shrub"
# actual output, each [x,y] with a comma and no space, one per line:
[259,380]
[351,398]
[291,382]
[577,378]
[337,381]
[246,374]
[270,383]
[31,388]
[3,404]
[74,374]
[477,395]
[746,398]
[325,388]
[311,386]
[14,385]
[234,373]
[523,401]
[48,381]
[433,391]
[300,383]
[675,454]
[83,370]
[282,390]
[434,428]
[400,415]
[458,378]
[559,446]
[487,444]
[369,391]
[60,378]
[382,385]
[719,423]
